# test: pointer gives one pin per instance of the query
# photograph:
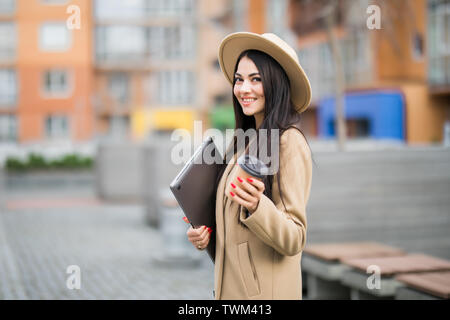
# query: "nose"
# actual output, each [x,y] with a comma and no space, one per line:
[245,87]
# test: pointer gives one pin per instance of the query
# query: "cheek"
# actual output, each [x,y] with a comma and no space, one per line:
[259,90]
[235,91]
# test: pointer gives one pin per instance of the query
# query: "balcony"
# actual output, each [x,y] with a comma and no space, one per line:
[7,44]
[145,48]
[439,46]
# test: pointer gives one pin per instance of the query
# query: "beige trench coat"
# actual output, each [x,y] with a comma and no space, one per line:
[258,257]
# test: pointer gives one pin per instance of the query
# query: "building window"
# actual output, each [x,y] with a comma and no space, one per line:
[172,43]
[276,22]
[8,128]
[110,9]
[145,44]
[56,83]
[7,6]
[8,38]
[55,36]
[57,127]
[118,87]
[317,62]
[115,43]
[240,14]
[175,87]
[438,42]
[8,88]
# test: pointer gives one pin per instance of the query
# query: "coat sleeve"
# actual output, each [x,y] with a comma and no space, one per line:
[282,228]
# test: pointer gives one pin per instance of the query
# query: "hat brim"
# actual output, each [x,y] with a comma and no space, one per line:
[233,45]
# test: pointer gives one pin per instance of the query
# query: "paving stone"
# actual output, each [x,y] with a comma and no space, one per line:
[111,244]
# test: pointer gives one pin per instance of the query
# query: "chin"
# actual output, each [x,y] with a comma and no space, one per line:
[248,111]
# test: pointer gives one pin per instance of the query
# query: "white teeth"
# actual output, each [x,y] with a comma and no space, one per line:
[248,100]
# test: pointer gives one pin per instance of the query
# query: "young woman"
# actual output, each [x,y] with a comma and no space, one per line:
[261,226]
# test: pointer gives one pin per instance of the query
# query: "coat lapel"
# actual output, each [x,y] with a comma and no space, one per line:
[220,229]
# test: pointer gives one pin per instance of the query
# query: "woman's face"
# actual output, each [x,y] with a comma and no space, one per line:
[248,88]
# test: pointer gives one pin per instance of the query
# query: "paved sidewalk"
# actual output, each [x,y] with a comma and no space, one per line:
[111,244]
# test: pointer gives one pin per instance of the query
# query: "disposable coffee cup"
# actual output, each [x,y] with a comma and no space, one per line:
[247,167]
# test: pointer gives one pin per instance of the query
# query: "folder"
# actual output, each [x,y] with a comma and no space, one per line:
[194,189]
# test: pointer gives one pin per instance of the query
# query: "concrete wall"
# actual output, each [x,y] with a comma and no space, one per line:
[398,197]
[136,172]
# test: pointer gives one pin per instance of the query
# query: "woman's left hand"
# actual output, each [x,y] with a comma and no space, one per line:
[249,195]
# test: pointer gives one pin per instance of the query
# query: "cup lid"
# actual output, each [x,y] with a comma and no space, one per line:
[253,166]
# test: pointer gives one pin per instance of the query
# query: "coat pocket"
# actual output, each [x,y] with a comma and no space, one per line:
[248,270]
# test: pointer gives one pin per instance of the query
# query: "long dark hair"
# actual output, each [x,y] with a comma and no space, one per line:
[279,111]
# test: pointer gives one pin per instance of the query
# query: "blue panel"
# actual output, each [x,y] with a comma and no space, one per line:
[384,110]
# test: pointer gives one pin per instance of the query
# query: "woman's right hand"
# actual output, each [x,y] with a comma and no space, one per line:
[199,237]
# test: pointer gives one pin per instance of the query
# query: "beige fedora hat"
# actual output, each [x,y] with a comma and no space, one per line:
[234,44]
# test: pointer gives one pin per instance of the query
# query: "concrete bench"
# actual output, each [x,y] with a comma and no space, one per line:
[424,286]
[388,268]
[323,269]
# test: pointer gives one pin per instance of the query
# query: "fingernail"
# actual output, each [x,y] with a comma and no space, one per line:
[232,184]
[240,180]
[232,194]
[209,230]
[250,180]
[204,227]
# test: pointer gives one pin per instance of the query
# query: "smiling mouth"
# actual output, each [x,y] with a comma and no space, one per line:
[247,101]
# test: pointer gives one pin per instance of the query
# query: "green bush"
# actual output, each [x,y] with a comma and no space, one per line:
[35,161]
[15,164]
[222,117]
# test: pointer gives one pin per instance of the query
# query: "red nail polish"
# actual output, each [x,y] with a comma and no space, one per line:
[232,184]
[209,230]
[250,180]
[232,194]
[240,180]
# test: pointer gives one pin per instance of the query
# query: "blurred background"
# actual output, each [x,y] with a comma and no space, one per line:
[91,90]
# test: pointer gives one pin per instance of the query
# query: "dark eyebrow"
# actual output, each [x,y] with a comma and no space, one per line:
[250,75]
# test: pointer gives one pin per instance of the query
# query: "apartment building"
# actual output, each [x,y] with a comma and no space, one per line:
[45,71]
[141,65]
[145,64]
[156,64]
[130,68]
[396,77]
